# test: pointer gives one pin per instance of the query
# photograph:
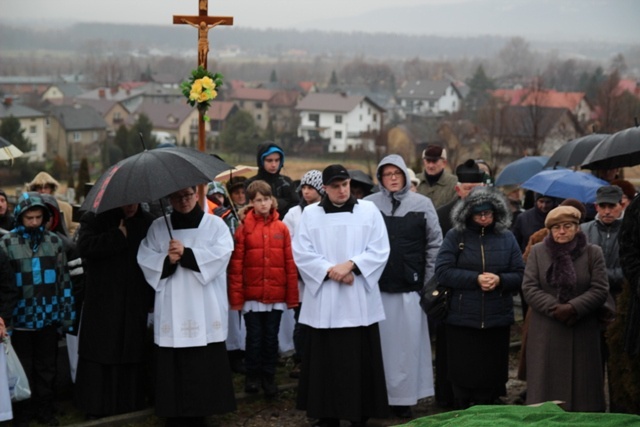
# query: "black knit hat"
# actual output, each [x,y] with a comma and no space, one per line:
[469,172]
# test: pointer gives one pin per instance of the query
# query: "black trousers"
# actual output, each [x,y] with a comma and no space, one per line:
[38,354]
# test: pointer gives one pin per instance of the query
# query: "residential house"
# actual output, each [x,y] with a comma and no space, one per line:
[26,89]
[282,112]
[161,93]
[383,97]
[74,132]
[219,112]
[347,122]
[113,112]
[533,130]
[253,100]
[178,119]
[59,92]
[129,98]
[575,102]
[33,123]
[429,96]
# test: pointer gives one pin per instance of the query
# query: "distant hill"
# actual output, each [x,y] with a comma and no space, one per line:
[82,37]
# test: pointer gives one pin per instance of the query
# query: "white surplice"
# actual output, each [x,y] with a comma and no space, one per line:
[323,240]
[191,307]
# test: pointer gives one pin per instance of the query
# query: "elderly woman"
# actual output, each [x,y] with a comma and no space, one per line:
[481,263]
[565,283]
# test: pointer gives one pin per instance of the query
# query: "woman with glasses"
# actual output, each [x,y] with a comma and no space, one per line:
[480,262]
[566,284]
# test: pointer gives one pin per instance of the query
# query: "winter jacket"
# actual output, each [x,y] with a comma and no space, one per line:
[39,263]
[281,186]
[442,191]
[468,250]
[527,223]
[261,267]
[606,236]
[414,233]
[630,261]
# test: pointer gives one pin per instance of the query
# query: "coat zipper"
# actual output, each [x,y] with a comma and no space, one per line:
[483,270]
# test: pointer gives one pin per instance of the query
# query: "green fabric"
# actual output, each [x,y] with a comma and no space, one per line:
[548,414]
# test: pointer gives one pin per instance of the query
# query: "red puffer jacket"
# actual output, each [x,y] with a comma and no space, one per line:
[262,267]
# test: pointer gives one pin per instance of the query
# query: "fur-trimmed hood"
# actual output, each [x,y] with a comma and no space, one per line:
[463,209]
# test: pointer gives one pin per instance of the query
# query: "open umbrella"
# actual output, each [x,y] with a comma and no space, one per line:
[575,151]
[151,175]
[8,151]
[618,150]
[239,170]
[565,183]
[517,172]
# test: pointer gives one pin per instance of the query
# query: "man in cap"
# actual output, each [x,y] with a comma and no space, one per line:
[603,231]
[270,159]
[341,248]
[469,176]
[436,183]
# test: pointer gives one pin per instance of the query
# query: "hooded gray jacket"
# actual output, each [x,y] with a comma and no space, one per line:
[414,233]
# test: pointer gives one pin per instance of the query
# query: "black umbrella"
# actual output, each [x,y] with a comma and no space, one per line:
[575,151]
[617,151]
[151,175]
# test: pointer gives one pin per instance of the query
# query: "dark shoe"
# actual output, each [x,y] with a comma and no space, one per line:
[237,366]
[252,385]
[269,386]
[327,422]
[48,420]
[401,411]
[295,372]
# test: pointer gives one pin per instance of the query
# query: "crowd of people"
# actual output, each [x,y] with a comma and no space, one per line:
[164,309]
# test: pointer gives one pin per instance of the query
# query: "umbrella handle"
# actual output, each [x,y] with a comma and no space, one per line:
[166,221]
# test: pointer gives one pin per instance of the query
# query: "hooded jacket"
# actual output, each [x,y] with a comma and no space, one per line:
[468,250]
[413,229]
[39,263]
[281,186]
[261,267]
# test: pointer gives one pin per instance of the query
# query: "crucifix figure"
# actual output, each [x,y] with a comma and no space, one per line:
[203,22]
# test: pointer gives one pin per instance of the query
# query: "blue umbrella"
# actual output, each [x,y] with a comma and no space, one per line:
[565,183]
[515,173]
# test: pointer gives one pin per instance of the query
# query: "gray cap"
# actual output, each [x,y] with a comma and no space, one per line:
[609,194]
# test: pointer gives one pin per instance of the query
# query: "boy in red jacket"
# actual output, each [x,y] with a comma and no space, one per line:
[263,281]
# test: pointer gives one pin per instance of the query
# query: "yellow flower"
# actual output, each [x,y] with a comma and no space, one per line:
[197,86]
[207,83]
[203,97]
[193,96]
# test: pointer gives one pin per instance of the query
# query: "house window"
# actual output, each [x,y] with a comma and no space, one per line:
[95,136]
[258,117]
[77,137]
[338,118]
[241,104]
[369,111]
[337,134]
[33,129]
[47,122]
[375,117]
[258,105]
[314,118]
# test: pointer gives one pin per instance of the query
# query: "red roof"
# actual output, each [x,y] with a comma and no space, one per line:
[251,94]
[284,98]
[628,85]
[219,110]
[542,98]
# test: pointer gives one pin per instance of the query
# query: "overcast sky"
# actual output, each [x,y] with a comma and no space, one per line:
[247,13]
[596,20]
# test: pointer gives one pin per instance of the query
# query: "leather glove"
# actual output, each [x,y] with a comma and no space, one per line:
[564,313]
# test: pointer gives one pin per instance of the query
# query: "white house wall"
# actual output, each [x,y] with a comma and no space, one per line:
[34,130]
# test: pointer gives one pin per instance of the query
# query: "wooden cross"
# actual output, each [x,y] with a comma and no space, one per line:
[203,22]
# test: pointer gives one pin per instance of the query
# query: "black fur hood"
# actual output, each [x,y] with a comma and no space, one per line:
[463,210]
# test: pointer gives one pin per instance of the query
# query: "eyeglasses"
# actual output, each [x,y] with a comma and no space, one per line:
[483,214]
[396,174]
[181,198]
[566,226]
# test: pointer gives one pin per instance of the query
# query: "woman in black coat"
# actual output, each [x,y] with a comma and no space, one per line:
[480,262]
[113,344]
